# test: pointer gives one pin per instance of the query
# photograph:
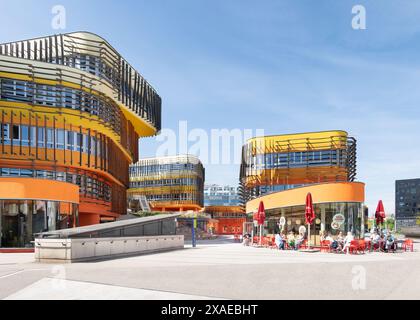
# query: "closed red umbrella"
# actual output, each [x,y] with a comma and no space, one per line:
[309,212]
[261,218]
[261,213]
[380,213]
[309,216]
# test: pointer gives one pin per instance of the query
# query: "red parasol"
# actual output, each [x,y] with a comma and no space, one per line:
[309,212]
[261,214]
[380,213]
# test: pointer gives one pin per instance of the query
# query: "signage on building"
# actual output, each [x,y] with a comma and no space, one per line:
[339,218]
[335,226]
[338,221]
[282,221]
[302,229]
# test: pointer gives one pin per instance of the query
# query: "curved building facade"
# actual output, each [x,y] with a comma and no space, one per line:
[281,170]
[278,163]
[72,110]
[29,206]
[174,183]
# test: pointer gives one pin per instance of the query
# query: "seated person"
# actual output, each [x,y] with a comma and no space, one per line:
[375,239]
[299,240]
[390,241]
[329,237]
[291,239]
[340,240]
[347,241]
[323,236]
[280,241]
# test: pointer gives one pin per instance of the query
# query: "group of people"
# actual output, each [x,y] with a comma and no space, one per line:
[293,241]
[382,239]
[341,243]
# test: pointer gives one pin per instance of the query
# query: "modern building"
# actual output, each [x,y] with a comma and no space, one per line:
[281,170]
[72,111]
[218,195]
[226,219]
[173,183]
[407,203]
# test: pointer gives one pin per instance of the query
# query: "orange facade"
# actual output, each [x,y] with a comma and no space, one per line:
[226,220]
[72,110]
[24,188]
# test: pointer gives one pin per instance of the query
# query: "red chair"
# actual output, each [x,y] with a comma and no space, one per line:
[408,245]
[376,247]
[354,246]
[255,241]
[325,246]
[362,246]
[303,245]
[368,245]
[236,238]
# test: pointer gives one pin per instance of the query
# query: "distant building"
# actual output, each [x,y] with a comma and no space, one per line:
[226,220]
[173,183]
[407,202]
[218,195]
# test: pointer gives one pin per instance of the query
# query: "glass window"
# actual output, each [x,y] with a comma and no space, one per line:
[24,133]
[70,140]
[50,138]
[41,137]
[60,139]
[15,133]
[79,141]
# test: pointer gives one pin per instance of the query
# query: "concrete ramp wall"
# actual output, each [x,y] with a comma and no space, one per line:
[79,250]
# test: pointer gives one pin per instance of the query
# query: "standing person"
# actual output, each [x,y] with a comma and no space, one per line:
[246,240]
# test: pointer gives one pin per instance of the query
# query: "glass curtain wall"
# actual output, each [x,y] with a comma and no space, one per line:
[331,217]
[21,219]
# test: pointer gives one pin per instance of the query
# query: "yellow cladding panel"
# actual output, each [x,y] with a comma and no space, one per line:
[142,127]
[164,189]
[15,76]
[160,177]
[73,117]
[323,140]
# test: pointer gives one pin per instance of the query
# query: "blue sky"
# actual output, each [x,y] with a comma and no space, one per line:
[284,66]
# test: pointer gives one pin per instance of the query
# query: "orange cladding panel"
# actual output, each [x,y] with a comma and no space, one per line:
[38,189]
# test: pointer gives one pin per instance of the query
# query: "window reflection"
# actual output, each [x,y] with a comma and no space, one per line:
[21,219]
[325,214]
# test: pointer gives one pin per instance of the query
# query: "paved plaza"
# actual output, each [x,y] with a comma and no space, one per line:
[217,270]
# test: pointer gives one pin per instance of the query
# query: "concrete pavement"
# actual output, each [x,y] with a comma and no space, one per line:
[220,269]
